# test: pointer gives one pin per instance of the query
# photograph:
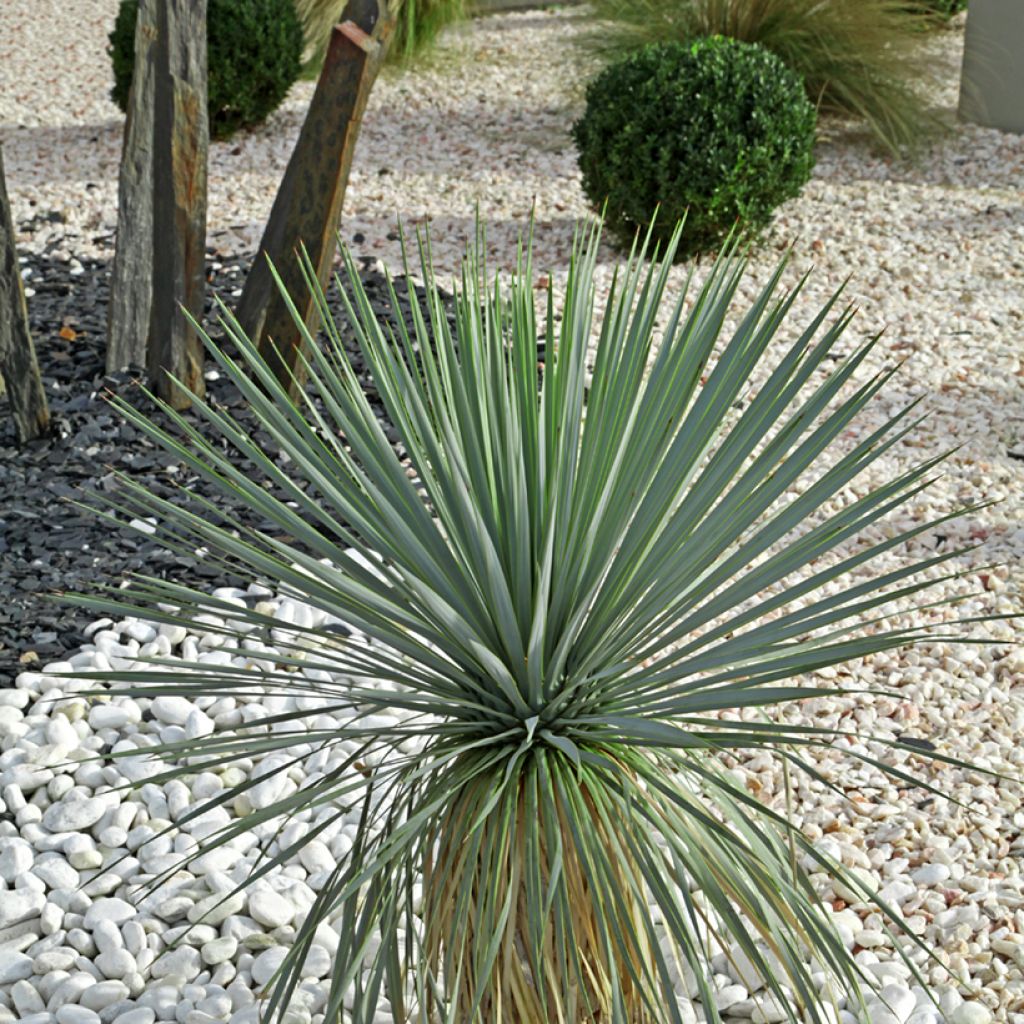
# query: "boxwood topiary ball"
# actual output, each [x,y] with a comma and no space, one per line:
[254,52]
[716,129]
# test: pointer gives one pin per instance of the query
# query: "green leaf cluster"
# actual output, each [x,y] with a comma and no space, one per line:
[254,50]
[717,131]
[590,570]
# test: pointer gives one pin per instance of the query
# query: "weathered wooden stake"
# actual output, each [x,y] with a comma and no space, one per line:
[182,136]
[131,281]
[18,367]
[307,208]
[159,266]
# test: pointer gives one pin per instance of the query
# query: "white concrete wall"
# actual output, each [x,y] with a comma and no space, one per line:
[992,84]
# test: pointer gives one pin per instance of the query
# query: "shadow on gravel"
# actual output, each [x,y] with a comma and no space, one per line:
[46,543]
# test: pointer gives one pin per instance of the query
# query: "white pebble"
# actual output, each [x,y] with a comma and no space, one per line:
[20,905]
[971,1013]
[114,910]
[14,966]
[270,908]
[266,964]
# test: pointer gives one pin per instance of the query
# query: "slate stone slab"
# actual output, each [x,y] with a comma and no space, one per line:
[307,207]
[158,268]
[19,372]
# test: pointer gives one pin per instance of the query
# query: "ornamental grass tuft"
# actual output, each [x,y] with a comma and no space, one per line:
[584,576]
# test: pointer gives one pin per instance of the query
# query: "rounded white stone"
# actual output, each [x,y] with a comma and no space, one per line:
[69,1013]
[318,963]
[56,872]
[74,815]
[898,999]
[26,998]
[217,951]
[107,936]
[198,724]
[174,633]
[115,963]
[930,874]
[971,1013]
[20,905]
[270,908]
[215,908]
[172,710]
[139,1015]
[265,966]
[108,716]
[16,858]
[111,909]
[183,960]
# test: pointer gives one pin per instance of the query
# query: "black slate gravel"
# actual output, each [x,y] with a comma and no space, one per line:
[48,544]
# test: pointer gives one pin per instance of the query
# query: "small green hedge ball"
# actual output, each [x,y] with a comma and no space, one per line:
[717,129]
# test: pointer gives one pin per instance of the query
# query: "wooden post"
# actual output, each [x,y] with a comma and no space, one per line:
[18,367]
[159,264]
[131,280]
[181,145]
[307,208]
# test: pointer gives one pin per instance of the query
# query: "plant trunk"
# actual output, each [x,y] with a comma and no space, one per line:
[18,368]
[307,208]
[519,991]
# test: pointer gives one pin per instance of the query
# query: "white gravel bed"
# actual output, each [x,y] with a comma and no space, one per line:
[937,257]
[82,941]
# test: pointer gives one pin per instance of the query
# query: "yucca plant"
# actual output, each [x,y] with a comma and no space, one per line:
[585,575]
[861,60]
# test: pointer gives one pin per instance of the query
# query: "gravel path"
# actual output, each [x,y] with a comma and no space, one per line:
[936,254]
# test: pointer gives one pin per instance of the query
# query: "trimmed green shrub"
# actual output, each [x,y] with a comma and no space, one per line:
[254,53]
[860,59]
[718,131]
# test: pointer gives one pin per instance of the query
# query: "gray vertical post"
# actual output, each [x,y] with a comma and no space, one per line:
[131,283]
[159,263]
[18,367]
[992,82]
[181,143]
